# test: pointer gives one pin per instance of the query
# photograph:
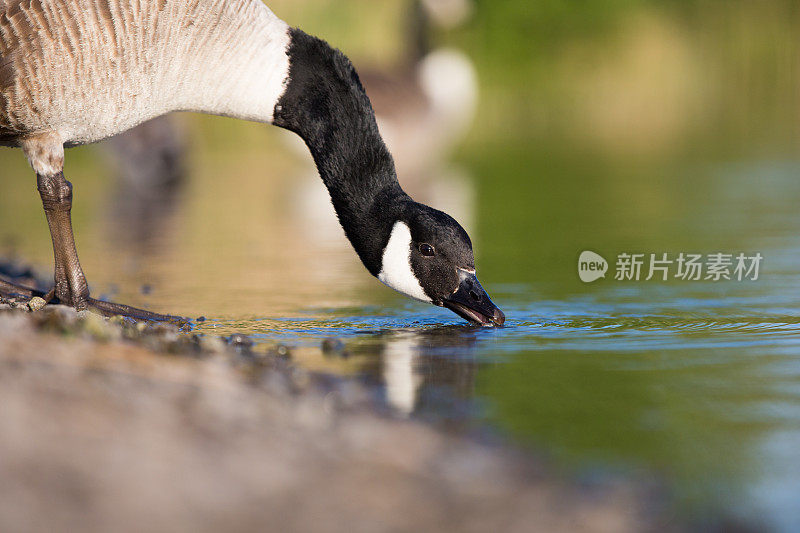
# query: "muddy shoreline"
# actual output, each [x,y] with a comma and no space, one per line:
[118,425]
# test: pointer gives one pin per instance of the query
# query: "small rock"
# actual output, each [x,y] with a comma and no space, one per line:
[36,303]
[241,343]
[333,346]
[282,351]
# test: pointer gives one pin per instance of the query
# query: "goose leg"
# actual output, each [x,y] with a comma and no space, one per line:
[70,282]
[46,155]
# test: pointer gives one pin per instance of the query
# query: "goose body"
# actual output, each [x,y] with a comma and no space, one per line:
[78,71]
[89,69]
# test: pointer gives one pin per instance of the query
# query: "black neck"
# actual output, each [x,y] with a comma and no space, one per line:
[326,105]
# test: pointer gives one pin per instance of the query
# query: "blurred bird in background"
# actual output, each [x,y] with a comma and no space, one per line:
[150,167]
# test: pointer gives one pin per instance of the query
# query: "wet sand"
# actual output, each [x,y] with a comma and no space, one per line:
[118,426]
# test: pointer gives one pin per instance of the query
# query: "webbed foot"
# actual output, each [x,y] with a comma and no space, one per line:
[9,289]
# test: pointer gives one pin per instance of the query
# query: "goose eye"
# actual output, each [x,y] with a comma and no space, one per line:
[426,249]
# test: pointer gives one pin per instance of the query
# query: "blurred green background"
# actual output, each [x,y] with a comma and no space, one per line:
[613,126]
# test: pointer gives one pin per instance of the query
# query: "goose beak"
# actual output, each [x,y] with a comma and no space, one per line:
[471,302]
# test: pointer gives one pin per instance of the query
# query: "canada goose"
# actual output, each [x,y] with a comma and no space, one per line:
[77,71]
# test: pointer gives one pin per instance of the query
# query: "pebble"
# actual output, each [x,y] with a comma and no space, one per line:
[282,351]
[333,346]
[36,303]
[240,341]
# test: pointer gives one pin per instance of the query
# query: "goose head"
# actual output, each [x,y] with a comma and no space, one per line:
[428,256]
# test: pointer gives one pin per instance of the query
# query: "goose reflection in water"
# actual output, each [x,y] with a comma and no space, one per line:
[426,372]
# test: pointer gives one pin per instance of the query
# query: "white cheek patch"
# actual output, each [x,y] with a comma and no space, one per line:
[396,269]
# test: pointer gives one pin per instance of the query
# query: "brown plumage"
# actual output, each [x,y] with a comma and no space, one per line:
[87,69]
